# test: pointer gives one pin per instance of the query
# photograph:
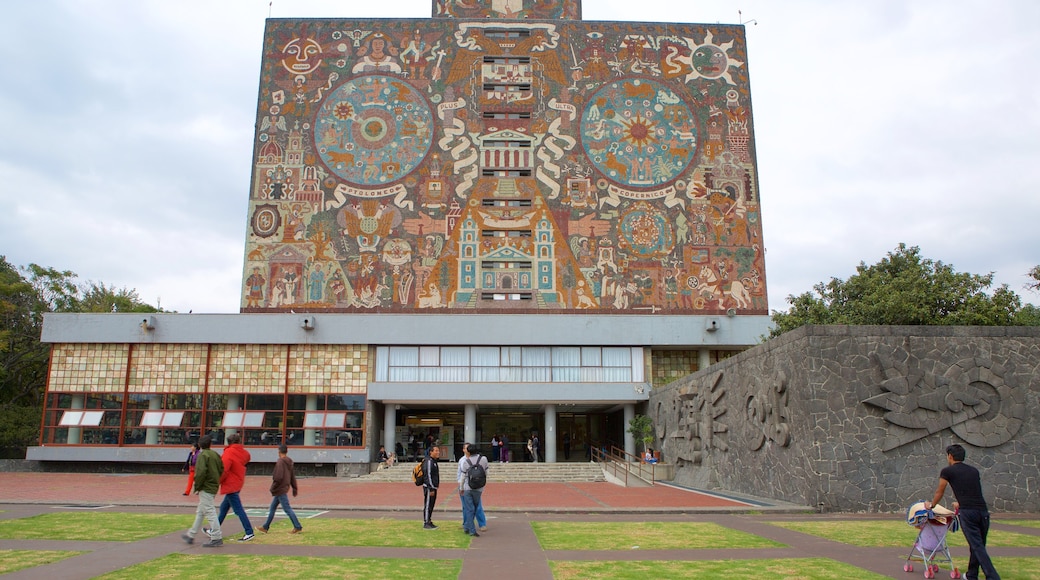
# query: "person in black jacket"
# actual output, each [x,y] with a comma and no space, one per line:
[432,480]
[971,508]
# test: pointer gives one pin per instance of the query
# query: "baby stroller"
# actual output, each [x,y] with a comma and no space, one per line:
[930,546]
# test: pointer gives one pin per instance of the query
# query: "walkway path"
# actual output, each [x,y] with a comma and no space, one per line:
[508,550]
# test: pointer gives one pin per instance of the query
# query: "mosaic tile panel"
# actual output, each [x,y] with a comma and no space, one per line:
[247,368]
[672,365]
[329,369]
[99,368]
[177,368]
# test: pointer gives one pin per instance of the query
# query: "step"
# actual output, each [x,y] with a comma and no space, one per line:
[502,472]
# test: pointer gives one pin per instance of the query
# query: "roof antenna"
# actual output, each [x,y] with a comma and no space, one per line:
[740,18]
[271,3]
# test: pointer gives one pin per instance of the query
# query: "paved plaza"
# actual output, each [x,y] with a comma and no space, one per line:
[508,550]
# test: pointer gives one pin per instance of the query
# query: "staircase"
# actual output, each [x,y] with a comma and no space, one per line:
[501,472]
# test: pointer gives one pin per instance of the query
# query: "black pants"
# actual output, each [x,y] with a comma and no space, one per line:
[429,500]
[975,525]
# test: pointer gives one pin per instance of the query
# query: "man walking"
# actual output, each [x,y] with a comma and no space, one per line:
[208,469]
[235,459]
[431,480]
[971,507]
[471,495]
[479,517]
[283,478]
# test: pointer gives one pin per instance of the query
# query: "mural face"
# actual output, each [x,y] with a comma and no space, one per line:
[491,164]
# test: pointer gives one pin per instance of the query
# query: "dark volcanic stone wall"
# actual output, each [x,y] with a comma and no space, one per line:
[857,418]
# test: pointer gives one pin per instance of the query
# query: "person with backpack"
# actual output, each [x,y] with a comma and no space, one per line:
[479,516]
[430,477]
[472,479]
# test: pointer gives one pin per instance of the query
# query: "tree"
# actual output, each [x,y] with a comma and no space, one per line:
[642,428]
[24,297]
[1035,275]
[903,288]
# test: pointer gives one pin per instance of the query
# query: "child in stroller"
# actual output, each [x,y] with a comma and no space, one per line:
[930,546]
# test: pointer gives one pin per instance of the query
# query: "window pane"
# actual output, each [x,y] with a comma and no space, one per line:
[617,357]
[253,419]
[71,418]
[485,356]
[94,418]
[151,419]
[404,374]
[510,356]
[335,420]
[172,418]
[314,420]
[566,356]
[536,356]
[454,356]
[566,374]
[404,356]
[429,356]
[590,356]
[232,419]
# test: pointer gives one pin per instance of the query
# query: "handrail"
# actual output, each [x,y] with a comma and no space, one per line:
[618,459]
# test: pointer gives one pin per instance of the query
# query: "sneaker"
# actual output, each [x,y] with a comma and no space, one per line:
[188,539]
[483,528]
[207,531]
[295,530]
[263,529]
[429,526]
[475,535]
[246,538]
[214,543]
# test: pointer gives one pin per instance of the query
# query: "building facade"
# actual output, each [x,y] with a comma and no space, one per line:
[499,220]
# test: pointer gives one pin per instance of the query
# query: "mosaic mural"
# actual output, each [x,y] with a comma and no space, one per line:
[504,156]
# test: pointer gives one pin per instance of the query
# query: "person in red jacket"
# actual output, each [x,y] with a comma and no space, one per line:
[231,481]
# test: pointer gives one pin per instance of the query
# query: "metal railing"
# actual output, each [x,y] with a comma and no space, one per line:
[621,464]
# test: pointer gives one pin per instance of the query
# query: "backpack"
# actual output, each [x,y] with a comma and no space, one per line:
[419,473]
[476,474]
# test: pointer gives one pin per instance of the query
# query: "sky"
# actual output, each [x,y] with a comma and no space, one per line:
[126,134]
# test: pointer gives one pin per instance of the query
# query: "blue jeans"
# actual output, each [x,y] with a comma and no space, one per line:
[284,501]
[975,525]
[470,504]
[232,501]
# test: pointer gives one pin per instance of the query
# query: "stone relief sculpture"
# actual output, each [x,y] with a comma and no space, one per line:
[970,398]
[767,412]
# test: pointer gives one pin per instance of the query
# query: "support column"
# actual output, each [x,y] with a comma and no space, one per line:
[389,429]
[703,359]
[469,431]
[151,436]
[549,446]
[233,404]
[76,433]
[310,435]
[630,440]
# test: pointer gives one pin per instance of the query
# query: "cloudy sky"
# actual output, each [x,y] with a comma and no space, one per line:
[126,133]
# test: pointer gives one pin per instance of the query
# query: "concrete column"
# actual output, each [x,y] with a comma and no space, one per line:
[76,433]
[234,403]
[630,440]
[389,432]
[310,435]
[469,432]
[703,359]
[151,436]
[549,445]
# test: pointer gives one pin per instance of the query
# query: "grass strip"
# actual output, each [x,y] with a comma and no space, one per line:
[890,534]
[93,526]
[11,560]
[644,536]
[237,566]
[801,568]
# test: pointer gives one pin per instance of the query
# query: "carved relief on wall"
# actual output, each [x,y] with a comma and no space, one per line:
[694,427]
[767,412]
[969,398]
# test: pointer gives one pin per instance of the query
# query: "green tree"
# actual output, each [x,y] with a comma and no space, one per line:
[24,297]
[642,428]
[1035,275]
[903,288]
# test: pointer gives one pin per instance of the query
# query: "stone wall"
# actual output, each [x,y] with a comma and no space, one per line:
[856,418]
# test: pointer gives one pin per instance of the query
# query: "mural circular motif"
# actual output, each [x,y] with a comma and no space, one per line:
[646,232]
[373,130]
[639,133]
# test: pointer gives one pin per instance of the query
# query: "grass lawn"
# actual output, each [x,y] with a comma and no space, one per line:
[11,560]
[643,536]
[285,567]
[801,568]
[889,534]
[93,526]
[384,533]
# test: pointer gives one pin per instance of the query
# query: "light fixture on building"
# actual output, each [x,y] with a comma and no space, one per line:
[307,323]
[148,323]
